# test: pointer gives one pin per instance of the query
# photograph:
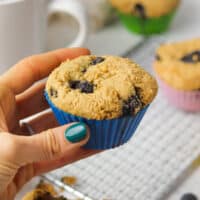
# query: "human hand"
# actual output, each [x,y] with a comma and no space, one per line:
[23,157]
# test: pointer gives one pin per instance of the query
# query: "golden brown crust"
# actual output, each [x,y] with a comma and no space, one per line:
[115,80]
[153,8]
[175,72]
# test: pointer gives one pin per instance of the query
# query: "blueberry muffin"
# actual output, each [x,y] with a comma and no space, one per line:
[145,16]
[177,65]
[100,87]
[98,90]
[151,9]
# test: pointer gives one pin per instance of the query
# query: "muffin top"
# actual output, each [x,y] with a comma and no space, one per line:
[178,64]
[149,8]
[100,87]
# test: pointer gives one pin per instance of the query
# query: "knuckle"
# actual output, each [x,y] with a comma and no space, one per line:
[52,146]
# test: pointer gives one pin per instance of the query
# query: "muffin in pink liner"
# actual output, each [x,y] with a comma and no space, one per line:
[186,100]
[177,67]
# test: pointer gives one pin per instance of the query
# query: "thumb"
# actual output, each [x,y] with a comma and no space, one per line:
[52,143]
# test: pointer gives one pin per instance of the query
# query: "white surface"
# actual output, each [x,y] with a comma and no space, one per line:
[21,36]
[114,40]
[24,23]
[165,144]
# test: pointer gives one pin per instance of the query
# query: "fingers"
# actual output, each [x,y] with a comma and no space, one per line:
[31,101]
[23,175]
[47,121]
[69,157]
[61,144]
[50,144]
[34,68]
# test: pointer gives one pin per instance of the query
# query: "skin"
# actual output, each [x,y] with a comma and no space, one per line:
[23,156]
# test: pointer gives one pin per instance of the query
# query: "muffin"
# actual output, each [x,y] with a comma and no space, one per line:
[39,194]
[177,66]
[146,16]
[110,94]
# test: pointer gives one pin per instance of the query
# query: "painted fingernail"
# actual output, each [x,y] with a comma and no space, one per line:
[76,132]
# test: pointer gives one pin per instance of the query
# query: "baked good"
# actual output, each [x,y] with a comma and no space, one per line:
[153,8]
[101,89]
[177,66]
[144,16]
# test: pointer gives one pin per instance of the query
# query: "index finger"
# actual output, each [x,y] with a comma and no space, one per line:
[31,69]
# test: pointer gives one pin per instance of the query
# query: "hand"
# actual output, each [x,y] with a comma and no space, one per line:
[23,157]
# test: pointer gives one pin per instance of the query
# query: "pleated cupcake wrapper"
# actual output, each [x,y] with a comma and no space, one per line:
[186,100]
[146,26]
[105,134]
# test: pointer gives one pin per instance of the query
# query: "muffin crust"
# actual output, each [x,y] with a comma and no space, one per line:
[99,88]
[178,64]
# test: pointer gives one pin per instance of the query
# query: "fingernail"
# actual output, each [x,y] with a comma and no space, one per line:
[76,132]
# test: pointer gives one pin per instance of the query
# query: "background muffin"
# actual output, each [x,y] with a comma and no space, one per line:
[39,194]
[177,66]
[144,16]
[110,94]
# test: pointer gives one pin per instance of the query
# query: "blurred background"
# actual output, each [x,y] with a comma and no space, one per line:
[161,161]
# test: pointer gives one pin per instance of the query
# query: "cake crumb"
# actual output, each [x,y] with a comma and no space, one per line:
[69,180]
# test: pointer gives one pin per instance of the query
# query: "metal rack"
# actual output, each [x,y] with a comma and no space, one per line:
[147,168]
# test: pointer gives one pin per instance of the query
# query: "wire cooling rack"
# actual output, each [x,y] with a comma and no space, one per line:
[147,167]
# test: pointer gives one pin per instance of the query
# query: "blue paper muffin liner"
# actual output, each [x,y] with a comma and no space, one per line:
[105,134]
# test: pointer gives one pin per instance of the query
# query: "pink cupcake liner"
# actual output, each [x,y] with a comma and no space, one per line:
[186,100]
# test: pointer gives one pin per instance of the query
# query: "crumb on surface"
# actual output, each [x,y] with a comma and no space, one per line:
[69,180]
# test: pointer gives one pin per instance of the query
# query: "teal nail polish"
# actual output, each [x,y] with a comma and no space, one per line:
[76,132]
